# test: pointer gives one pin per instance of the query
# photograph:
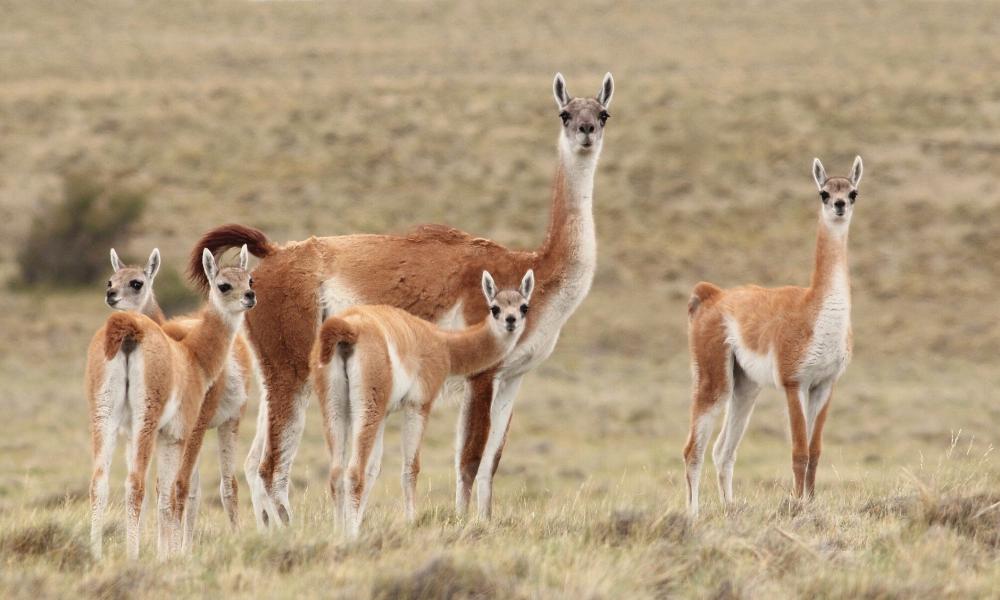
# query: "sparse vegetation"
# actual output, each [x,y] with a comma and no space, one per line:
[256,113]
[69,240]
[56,544]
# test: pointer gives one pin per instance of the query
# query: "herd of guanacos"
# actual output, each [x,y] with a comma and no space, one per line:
[373,324]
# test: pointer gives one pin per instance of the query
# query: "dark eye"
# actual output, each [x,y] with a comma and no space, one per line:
[565,117]
[496,311]
[225,287]
[109,283]
[135,284]
[524,309]
[604,116]
[853,196]
[825,196]
[251,283]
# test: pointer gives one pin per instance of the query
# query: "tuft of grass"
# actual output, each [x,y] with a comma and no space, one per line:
[976,517]
[122,584]
[441,577]
[627,526]
[51,541]
[892,506]
[284,557]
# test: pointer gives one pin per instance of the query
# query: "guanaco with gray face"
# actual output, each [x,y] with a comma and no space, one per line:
[797,339]
[371,360]
[150,387]
[432,272]
[130,288]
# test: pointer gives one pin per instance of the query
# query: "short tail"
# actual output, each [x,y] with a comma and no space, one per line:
[335,331]
[702,293]
[225,237]
[121,329]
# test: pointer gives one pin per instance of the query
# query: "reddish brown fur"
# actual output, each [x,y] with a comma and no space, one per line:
[426,353]
[335,331]
[172,368]
[239,359]
[119,329]
[778,322]
[427,273]
[442,267]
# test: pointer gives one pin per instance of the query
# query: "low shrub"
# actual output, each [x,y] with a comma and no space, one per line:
[68,242]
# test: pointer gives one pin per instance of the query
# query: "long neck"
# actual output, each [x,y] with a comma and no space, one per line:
[152,310]
[209,342]
[570,238]
[830,273]
[476,348]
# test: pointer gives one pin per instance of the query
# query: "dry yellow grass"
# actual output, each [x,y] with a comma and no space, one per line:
[327,118]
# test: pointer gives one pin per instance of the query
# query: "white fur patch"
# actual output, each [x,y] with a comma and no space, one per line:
[233,396]
[402,379]
[112,403]
[762,369]
[453,319]
[828,354]
[335,296]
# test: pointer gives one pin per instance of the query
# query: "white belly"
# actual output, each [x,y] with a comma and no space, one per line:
[762,369]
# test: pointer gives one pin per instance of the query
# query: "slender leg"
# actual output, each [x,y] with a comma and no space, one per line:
[818,397]
[366,432]
[798,398]
[228,488]
[738,411]
[186,484]
[374,466]
[144,426]
[104,427]
[168,462]
[501,411]
[713,387]
[191,511]
[414,420]
[335,406]
[284,433]
[368,405]
[263,509]
[470,436]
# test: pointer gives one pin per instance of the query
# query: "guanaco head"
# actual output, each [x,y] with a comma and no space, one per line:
[508,308]
[583,119]
[837,193]
[131,288]
[230,289]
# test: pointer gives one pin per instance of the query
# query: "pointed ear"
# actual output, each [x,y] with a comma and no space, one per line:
[856,171]
[607,90]
[528,284]
[819,173]
[244,257]
[489,287]
[559,91]
[153,264]
[116,263]
[208,263]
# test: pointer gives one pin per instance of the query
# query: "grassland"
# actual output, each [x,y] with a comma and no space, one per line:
[327,118]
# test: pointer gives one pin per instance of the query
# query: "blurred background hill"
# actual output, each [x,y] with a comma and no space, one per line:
[328,118]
